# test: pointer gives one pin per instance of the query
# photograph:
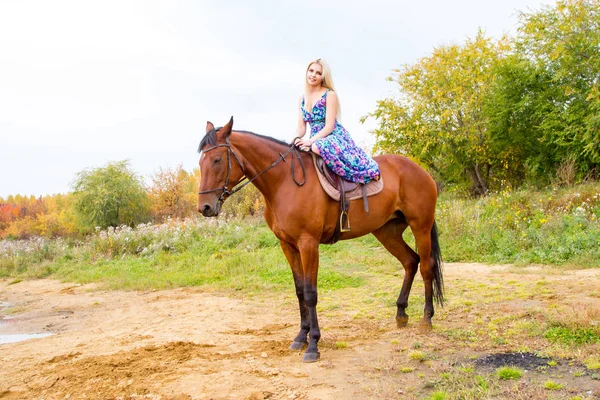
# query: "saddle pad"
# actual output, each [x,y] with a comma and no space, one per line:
[372,187]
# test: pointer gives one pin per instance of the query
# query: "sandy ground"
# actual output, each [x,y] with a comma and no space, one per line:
[187,344]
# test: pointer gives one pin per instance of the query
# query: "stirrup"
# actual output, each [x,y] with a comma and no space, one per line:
[342,227]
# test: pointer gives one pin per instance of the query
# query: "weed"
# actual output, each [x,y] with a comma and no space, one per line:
[592,363]
[469,369]
[418,355]
[551,385]
[482,382]
[462,383]
[438,396]
[341,345]
[509,373]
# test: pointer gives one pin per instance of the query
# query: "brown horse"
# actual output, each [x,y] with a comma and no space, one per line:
[302,216]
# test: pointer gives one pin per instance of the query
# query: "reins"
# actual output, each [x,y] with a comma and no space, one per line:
[226,192]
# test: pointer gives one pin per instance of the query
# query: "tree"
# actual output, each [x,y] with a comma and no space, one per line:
[515,111]
[564,42]
[173,193]
[438,117]
[110,196]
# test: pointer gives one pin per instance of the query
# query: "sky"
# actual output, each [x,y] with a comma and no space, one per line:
[84,83]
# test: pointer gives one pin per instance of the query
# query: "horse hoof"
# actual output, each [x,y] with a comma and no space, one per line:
[298,345]
[401,322]
[311,357]
[424,327]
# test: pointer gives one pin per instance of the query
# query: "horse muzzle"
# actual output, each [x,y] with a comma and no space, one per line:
[210,211]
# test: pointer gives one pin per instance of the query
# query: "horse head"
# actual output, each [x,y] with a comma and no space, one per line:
[220,169]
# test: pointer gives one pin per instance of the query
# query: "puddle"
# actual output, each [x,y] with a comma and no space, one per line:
[4,339]
[17,337]
[6,320]
[9,321]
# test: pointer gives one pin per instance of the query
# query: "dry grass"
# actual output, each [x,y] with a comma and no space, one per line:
[488,310]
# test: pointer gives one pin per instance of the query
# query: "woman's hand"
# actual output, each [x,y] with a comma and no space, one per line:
[304,144]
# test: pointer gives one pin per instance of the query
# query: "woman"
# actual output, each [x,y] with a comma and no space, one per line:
[320,108]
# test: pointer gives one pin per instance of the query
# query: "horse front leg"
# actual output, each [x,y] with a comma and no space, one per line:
[310,262]
[293,257]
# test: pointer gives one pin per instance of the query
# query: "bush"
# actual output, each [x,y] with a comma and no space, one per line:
[110,196]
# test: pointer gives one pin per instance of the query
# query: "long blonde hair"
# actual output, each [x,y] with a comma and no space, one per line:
[327,82]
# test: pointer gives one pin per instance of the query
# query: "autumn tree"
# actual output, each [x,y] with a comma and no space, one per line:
[173,193]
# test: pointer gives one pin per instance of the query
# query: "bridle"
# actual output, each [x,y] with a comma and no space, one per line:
[226,192]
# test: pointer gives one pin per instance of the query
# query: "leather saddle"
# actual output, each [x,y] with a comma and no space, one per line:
[344,191]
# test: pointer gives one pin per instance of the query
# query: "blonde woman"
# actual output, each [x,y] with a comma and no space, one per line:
[320,108]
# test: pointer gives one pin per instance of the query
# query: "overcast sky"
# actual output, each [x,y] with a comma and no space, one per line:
[83,82]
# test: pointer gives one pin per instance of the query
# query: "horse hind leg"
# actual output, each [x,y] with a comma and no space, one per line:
[390,235]
[431,271]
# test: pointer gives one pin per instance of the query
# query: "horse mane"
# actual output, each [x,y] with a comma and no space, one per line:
[211,138]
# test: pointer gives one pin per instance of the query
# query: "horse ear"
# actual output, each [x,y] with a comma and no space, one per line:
[209,126]
[225,131]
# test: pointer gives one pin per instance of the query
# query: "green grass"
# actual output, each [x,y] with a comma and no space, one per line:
[229,255]
[509,373]
[556,226]
[438,396]
[551,385]
[464,383]
[559,226]
[573,336]
[341,345]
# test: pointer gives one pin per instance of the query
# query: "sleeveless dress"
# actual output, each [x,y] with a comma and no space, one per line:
[338,149]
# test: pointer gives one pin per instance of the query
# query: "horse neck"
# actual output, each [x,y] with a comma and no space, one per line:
[257,154]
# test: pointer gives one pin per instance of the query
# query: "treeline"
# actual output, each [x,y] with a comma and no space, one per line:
[110,196]
[490,114]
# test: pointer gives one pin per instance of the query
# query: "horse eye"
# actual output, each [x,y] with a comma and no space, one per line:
[217,160]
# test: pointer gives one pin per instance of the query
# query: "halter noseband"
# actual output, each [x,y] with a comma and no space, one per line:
[226,192]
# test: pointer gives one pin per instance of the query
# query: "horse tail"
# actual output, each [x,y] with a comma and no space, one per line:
[436,256]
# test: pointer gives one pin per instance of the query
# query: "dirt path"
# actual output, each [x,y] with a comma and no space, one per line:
[187,344]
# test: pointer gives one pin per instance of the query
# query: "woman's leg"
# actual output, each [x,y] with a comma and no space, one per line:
[315,149]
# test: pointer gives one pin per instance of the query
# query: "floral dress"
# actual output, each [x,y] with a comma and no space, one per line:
[338,150]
